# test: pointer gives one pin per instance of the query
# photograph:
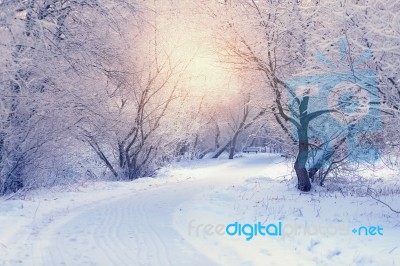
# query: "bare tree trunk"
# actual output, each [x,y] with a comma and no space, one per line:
[233,145]
[300,166]
[217,137]
[221,150]
[304,183]
[193,150]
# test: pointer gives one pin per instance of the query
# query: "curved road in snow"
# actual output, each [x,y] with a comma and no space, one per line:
[132,230]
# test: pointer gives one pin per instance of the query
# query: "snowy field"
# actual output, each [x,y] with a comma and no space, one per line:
[180,217]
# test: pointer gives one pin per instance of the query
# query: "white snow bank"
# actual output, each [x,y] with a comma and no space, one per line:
[199,199]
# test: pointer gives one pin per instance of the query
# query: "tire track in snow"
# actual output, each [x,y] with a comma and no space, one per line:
[132,230]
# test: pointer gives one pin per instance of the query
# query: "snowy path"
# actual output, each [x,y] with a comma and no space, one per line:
[133,230]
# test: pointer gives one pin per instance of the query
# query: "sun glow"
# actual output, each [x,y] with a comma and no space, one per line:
[194,47]
[206,73]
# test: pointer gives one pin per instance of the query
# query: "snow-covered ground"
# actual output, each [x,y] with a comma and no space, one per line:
[180,218]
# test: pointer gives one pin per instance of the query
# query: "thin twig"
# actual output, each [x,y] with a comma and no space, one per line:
[384,203]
